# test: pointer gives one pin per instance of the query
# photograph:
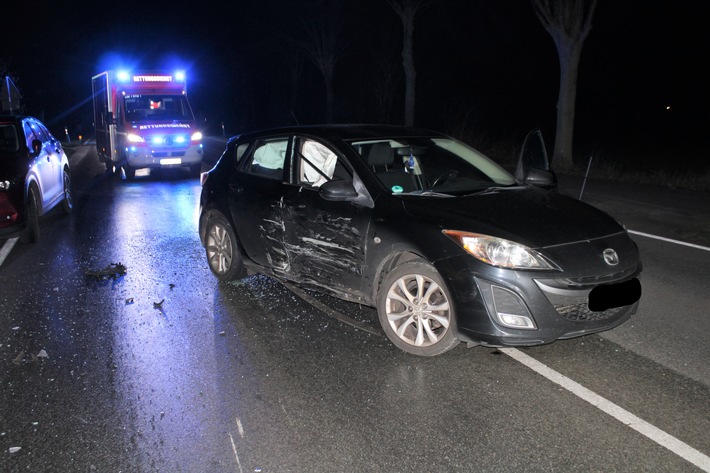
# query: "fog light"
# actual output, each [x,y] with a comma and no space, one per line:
[510,310]
[517,321]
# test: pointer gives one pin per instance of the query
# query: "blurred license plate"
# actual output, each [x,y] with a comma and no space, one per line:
[170,161]
[608,296]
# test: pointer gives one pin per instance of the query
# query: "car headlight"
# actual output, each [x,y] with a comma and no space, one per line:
[500,252]
[133,138]
[196,136]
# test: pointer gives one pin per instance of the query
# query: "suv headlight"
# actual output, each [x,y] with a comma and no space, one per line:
[500,252]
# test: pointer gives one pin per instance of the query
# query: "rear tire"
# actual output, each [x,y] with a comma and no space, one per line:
[415,310]
[31,231]
[222,251]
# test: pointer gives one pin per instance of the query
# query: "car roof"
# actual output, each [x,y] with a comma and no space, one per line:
[344,132]
[14,118]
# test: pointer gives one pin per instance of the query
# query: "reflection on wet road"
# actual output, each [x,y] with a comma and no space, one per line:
[164,369]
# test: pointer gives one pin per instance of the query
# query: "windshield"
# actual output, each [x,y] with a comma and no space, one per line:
[141,108]
[440,165]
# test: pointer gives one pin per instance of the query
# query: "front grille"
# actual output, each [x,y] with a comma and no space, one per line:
[581,312]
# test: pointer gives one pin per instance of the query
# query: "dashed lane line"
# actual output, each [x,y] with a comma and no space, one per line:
[6,248]
[662,438]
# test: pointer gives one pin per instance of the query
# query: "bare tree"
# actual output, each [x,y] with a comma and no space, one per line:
[407,12]
[324,43]
[386,76]
[569,23]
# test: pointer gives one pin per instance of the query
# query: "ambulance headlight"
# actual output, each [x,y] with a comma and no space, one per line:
[134,138]
[196,136]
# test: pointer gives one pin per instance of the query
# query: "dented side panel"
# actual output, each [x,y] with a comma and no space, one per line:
[325,241]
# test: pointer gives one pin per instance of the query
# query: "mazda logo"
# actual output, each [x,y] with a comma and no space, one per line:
[610,257]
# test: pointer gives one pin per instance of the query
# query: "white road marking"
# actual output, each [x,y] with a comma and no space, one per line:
[6,248]
[234,449]
[239,427]
[677,242]
[662,438]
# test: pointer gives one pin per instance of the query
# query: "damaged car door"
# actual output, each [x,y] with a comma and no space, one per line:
[255,198]
[325,237]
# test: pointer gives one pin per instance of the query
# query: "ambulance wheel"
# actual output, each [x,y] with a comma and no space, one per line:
[129,171]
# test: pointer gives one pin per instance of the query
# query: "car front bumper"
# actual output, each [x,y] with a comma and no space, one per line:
[145,157]
[524,308]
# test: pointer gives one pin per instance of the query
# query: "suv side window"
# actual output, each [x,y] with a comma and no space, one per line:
[30,134]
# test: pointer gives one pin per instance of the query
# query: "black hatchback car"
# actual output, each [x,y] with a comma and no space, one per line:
[34,176]
[445,243]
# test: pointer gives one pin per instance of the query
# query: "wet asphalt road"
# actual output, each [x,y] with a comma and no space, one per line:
[163,369]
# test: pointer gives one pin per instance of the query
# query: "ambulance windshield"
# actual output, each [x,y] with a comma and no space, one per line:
[142,108]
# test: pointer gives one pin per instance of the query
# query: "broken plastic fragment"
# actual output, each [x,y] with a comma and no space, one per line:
[158,305]
[129,301]
[113,270]
[14,449]
[42,354]
[18,359]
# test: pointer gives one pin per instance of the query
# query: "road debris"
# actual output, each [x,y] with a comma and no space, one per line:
[158,305]
[18,359]
[113,271]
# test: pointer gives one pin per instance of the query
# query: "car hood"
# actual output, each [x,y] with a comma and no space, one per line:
[533,217]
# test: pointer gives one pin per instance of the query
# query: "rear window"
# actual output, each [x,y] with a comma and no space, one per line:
[8,137]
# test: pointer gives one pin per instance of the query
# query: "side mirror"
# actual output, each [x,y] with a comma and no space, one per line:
[533,165]
[36,148]
[539,178]
[338,190]
[109,118]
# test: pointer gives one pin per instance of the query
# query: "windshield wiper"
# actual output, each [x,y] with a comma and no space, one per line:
[494,189]
[426,192]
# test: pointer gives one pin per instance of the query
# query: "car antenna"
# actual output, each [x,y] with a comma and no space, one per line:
[294,118]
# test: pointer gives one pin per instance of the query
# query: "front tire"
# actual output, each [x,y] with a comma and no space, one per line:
[415,311]
[222,251]
[67,203]
[129,172]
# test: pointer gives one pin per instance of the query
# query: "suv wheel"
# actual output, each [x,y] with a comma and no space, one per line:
[67,203]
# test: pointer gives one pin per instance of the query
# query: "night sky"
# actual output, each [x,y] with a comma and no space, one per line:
[487,71]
